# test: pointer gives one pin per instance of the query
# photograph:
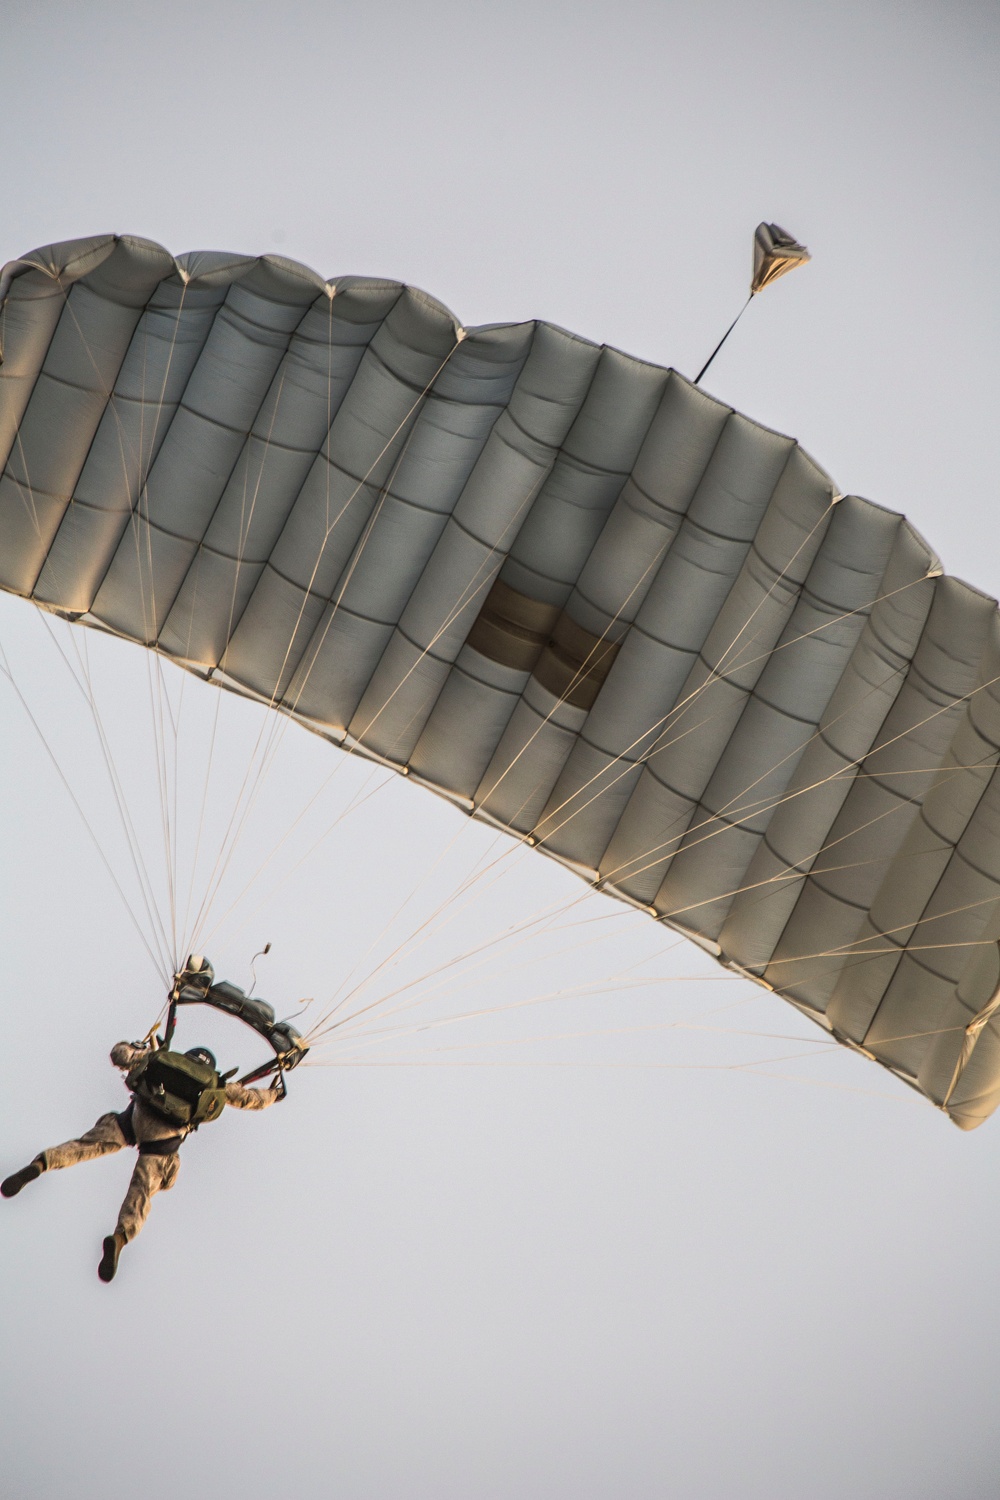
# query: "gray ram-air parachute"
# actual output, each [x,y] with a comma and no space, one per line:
[564,588]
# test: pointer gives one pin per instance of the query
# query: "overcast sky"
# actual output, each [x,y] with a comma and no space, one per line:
[503,1259]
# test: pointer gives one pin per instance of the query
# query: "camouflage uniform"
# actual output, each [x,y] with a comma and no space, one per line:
[153,1173]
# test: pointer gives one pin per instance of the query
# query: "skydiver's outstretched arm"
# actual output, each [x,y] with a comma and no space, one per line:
[240,1097]
[126,1055]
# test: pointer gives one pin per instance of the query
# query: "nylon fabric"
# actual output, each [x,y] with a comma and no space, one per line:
[563,587]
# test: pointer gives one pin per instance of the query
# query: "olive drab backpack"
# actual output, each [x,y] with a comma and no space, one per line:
[178,1088]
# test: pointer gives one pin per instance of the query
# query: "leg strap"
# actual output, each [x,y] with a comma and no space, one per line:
[166,1147]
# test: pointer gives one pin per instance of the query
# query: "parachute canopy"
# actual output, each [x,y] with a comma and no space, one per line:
[775,253]
[563,588]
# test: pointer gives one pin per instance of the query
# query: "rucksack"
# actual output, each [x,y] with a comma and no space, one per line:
[178,1088]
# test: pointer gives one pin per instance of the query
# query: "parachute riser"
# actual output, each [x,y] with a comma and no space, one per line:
[284,1040]
[173,999]
[277,1068]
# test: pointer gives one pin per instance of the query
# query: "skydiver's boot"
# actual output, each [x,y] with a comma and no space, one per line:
[12,1185]
[113,1247]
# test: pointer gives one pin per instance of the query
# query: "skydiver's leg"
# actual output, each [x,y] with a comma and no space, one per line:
[104,1137]
[152,1174]
[101,1139]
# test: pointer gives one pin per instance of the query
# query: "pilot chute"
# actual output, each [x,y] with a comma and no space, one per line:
[775,253]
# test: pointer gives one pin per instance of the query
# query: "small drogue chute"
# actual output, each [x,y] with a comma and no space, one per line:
[775,253]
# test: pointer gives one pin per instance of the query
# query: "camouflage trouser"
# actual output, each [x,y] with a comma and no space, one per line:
[152,1174]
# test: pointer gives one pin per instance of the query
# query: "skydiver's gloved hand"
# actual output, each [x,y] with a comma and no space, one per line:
[127,1055]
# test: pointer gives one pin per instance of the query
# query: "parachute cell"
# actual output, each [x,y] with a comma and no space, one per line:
[562,587]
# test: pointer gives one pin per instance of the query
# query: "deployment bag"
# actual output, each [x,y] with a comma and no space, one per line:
[178,1089]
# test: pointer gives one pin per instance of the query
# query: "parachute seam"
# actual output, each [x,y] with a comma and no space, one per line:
[901,801]
[108,396]
[493,548]
[198,543]
[362,482]
[133,513]
[660,725]
[664,726]
[668,544]
[922,918]
[239,559]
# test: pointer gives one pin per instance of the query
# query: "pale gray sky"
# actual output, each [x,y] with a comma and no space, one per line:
[612,1266]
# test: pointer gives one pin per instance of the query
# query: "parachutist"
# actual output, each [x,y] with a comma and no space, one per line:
[172,1094]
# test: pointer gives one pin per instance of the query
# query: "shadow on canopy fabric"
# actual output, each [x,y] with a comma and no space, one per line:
[564,588]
